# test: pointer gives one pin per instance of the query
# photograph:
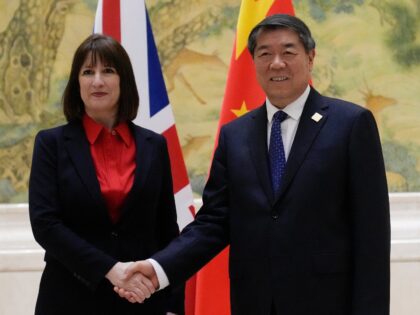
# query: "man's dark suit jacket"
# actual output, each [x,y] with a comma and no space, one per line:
[322,246]
[70,221]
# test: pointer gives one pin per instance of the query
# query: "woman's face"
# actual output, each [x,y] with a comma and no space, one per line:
[99,90]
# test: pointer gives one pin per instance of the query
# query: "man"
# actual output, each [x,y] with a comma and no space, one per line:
[310,236]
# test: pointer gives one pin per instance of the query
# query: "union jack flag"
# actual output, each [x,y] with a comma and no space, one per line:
[127,21]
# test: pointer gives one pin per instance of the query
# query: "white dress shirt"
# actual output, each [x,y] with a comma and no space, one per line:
[288,131]
[160,273]
[289,125]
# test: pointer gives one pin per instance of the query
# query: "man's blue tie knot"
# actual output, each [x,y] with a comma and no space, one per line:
[280,116]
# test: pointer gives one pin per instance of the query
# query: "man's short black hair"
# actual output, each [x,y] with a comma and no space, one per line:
[277,21]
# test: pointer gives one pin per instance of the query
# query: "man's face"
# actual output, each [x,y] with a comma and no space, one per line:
[282,65]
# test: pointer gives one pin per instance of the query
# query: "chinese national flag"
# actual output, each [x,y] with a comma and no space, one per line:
[242,94]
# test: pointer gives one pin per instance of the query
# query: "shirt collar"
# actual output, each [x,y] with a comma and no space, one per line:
[293,110]
[124,131]
[94,129]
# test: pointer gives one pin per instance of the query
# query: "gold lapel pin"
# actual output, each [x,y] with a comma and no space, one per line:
[316,117]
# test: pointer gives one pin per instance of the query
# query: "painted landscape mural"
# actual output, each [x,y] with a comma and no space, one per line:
[368,52]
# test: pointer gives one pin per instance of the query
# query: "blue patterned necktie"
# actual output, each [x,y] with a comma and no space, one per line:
[276,152]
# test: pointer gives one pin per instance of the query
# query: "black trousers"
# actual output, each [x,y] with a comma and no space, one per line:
[273,309]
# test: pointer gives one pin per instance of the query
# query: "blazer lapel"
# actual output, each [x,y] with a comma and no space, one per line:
[306,133]
[144,155]
[259,152]
[78,148]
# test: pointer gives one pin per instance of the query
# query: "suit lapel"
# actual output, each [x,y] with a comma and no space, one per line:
[257,140]
[306,133]
[78,148]
[144,156]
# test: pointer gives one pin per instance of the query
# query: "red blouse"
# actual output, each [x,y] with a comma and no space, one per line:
[114,156]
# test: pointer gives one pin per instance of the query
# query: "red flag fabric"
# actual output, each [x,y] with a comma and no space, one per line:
[241,95]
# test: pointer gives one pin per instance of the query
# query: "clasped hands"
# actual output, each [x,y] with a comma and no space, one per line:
[134,281]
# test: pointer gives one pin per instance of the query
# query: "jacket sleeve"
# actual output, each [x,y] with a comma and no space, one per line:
[87,263]
[369,204]
[208,234]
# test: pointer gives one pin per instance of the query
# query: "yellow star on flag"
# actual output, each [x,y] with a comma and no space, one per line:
[252,12]
[239,112]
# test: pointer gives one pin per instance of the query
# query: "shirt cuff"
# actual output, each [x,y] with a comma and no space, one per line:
[160,273]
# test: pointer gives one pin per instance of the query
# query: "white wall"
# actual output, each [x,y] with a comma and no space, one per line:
[21,259]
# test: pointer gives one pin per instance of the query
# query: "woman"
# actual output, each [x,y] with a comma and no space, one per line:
[100,191]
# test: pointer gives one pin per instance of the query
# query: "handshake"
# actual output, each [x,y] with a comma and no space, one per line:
[134,281]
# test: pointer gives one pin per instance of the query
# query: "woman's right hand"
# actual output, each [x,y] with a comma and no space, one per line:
[138,286]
